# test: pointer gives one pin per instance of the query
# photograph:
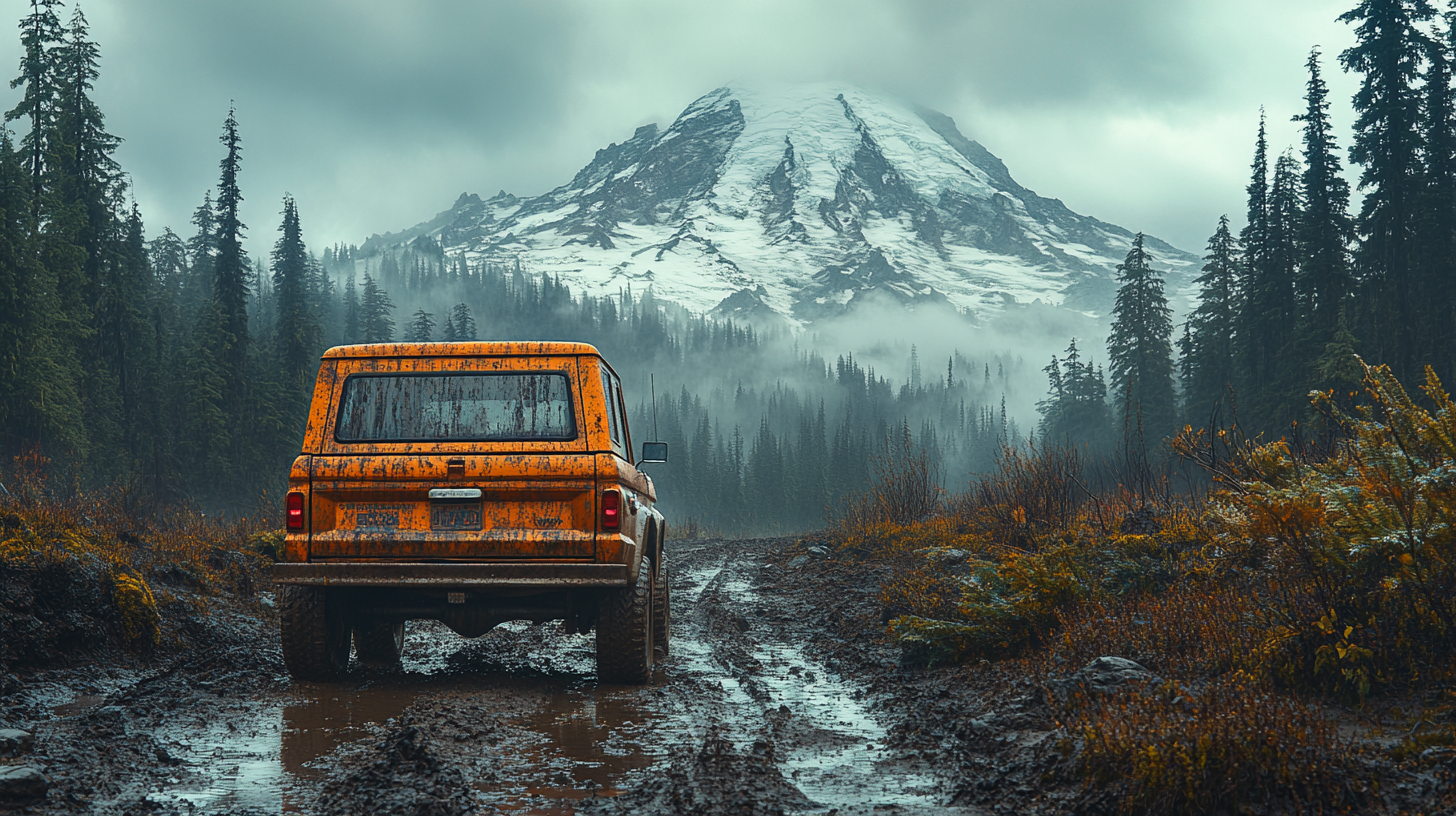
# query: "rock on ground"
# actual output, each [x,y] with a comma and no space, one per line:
[20,784]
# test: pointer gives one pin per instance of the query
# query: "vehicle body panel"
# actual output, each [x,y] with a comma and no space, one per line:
[370,520]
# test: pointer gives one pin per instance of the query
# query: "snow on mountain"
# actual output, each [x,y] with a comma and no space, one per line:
[804,201]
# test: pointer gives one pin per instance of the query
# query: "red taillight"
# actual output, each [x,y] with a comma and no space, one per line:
[295,511]
[611,510]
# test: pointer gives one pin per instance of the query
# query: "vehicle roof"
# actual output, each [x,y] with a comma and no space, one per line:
[471,348]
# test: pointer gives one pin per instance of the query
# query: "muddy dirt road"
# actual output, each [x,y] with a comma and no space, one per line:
[752,711]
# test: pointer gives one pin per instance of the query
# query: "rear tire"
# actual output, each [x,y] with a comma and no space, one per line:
[379,643]
[661,608]
[624,632]
[314,634]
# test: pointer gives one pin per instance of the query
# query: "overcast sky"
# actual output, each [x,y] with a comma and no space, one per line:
[376,115]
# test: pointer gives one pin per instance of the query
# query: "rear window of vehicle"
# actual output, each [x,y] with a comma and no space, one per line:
[463,407]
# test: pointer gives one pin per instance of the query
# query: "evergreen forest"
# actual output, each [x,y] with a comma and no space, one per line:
[179,368]
[1307,284]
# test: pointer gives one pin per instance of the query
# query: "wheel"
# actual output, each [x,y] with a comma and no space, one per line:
[314,634]
[661,608]
[624,632]
[379,643]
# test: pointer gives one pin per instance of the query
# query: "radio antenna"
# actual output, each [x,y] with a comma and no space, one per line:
[652,378]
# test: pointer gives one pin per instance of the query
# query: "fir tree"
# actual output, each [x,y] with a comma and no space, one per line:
[421,328]
[464,322]
[1208,354]
[1325,229]
[94,175]
[41,33]
[352,311]
[1255,235]
[298,333]
[1434,255]
[1075,411]
[230,268]
[1390,45]
[375,323]
[202,257]
[1140,345]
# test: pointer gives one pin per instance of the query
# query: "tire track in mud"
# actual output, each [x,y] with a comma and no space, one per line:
[739,718]
[772,700]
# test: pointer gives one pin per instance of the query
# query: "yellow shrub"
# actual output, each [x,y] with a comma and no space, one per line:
[1213,749]
[140,620]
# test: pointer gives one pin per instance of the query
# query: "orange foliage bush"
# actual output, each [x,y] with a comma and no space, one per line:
[1218,747]
[125,555]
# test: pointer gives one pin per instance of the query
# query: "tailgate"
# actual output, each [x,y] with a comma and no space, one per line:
[453,506]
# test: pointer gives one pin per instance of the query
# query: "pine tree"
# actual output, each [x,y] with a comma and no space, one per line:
[1390,45]
[41,33]
[351,311]
[17,260]
[464,322]
[1075,411]
[1325,229]
[202,257]
[230,269]
[1208,356]
[298,334]
[94,175]
[1255,235]
[1140,346]
[375,323]
[168,256]
[1434,255]
[421,329]
[447,332]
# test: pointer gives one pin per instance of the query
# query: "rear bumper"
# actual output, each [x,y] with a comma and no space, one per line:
[544,577]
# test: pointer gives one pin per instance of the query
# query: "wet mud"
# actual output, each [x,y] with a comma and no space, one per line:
[773,700]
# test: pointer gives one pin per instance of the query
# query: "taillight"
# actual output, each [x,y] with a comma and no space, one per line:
[295,511]
[611,510]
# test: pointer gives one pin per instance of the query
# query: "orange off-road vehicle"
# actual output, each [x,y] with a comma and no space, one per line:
[473,484]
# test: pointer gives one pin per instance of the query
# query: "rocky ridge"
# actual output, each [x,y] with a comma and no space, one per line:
[803,202]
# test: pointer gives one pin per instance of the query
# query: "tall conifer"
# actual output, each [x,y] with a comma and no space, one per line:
[1390,45]
[1208,356]
[230,268]
[1140,346]
[298,333]
[1325,229]
[40,33]
[375,323]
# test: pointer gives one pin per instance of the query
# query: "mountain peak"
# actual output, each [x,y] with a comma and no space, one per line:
[802,200]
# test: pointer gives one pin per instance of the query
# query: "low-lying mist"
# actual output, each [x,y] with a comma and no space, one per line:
[770,427]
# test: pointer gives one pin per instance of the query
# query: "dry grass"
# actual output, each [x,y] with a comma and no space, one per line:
[1306,576]
[103,557]
[1225,746]
[904,488]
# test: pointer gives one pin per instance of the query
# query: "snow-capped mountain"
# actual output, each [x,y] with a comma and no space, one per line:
[802,201]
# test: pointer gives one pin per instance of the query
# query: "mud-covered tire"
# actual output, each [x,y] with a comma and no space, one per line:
[624,632]
[314,634]
[662,609]
[379,643]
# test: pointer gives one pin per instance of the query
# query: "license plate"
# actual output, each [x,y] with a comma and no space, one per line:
[455,516]
[378,516]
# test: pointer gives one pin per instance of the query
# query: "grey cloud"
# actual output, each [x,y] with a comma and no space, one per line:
[375,115]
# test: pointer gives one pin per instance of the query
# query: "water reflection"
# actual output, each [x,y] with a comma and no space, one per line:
[593,744]
[335,715]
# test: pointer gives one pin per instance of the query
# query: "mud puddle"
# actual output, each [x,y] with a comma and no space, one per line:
[518,716]
[828,743]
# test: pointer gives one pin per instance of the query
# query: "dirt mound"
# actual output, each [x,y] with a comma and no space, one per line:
[401,776]
[54,613]
[714,779]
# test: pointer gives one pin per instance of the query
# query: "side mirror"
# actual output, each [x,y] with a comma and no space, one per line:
[654,452]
